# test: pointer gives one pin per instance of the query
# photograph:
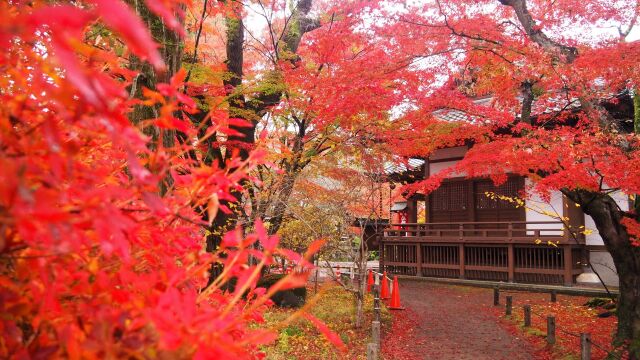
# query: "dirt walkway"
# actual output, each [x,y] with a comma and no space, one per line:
[450,322]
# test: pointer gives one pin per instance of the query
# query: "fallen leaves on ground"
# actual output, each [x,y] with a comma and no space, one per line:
[572,318]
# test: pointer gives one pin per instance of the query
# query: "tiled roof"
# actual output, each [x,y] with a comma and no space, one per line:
[401,166]
[551,105]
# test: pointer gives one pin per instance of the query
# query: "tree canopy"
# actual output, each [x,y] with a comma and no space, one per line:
[150,150]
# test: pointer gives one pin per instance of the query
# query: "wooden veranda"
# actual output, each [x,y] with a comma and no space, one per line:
[513,251]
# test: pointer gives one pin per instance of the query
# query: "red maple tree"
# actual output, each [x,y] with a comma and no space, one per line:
[101,225]
[557,81]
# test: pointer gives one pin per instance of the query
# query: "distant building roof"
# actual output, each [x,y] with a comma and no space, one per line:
[411,164]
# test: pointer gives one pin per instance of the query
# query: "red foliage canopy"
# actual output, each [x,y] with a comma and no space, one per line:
[94,263]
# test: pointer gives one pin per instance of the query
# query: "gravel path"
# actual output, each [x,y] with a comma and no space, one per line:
[450,322]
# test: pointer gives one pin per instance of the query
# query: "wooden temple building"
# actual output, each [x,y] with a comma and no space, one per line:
[457,231]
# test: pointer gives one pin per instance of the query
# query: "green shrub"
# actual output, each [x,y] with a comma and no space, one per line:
[286,298]
[596,302]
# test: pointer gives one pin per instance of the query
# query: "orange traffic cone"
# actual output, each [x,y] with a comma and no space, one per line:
[370,281]
[384,287]
[395,296]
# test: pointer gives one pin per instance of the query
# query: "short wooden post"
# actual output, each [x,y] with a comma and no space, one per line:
[509,305]
[527,315]
[551,330]
[375,333]
[496,296]
[376,302]
[372,351]
[585,346]
[554,296]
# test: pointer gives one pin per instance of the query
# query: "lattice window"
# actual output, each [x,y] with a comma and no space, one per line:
[510,189]
[451,196]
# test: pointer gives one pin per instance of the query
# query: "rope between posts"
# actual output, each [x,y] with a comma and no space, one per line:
[578,336]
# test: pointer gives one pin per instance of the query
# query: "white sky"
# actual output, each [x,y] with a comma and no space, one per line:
[634,34]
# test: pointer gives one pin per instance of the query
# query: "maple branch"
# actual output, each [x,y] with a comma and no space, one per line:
[197,42]
[535,32]
[623,34]
[297,24]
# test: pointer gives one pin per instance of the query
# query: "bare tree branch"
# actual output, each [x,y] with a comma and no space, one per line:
[535,33]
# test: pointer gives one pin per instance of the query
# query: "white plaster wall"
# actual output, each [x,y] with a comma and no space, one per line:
[603,264]
[601,260]
[594,237]
[537,210]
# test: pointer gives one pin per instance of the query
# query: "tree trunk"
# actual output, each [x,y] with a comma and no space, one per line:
[360,298]
[607,217]
[171,48]
[282,199]
[251,110]
[362,284]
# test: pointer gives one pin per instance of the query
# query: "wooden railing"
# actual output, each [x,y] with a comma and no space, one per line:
[483,232]
[529,252]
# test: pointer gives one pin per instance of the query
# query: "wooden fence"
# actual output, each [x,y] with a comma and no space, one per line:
[527,252]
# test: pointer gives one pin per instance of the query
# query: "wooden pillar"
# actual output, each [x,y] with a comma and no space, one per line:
[576,220]
[412,210]
[418,259]
[568,265]
[471,200]
[511,263]
[461,259]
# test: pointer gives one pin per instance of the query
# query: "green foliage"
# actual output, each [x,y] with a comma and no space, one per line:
[202,74]
[597,302]
[310,223]
[292,331]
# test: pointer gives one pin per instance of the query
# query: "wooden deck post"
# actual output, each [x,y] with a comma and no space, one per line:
[418,259]
[509,305]
[461,259]
[511,262]
[568,265]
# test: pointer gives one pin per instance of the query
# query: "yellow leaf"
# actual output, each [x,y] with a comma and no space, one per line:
[212,207]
